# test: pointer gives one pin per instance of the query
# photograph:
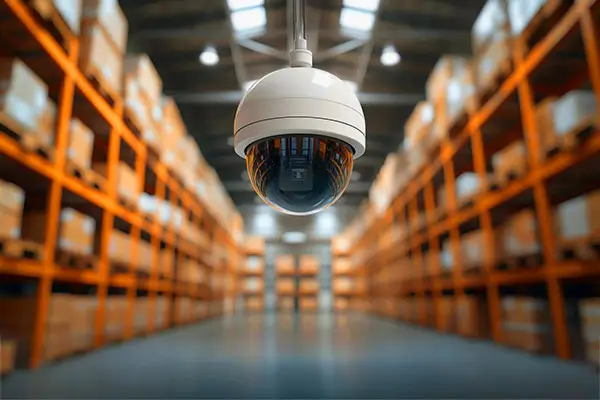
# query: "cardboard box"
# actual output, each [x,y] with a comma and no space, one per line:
[167,263]
[341,266]
[108,15]
[140,110]
[446,307]
[254,245]
[493,62]
[57,342]
[525,310]
[254,265]
[253,304]
[173,127]
[341,304]
[144,256]
[47,124]
[140,68]
[467,185]
[492,21]
[11,210]
[119,248]
[252,284]
[343,284]
[69,10]
[309,304]
[520,234]
[128,186]
[81,144]
[286,285]
[510,162]
[589,311]
[309,285]
[417,129]
[309,264]
[99,58]
[533,338]
[8,354]
[579,218]
[76,231]
[285,264]
[472,316]
[23,95]
[447,67]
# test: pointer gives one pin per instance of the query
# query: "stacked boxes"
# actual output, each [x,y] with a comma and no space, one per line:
[578,220]
[161,307]
[24,99]
[253,285]
[140,315]
[558,118]
[589,311]
[70,11]
[142,91]
[527,323]
[81,144]
[254,245]
[75,232]
[472,316]
[119,248]
[491,45]
[103,42]
[447,310]
[190,271]
[522,12]
[286,285]
[520,236]
[11,210]
[128,187]
[8,353]
[510,162]
[167,263]
[116,313]
[418,136]
[450,90]
[341,266]
[284,264]
[341,304]
[183,307]
[309,304]
[467,186]
[253,304]
[343,284]
[309,264]
[309,286]
[173,130]
[254,265]
[472,250]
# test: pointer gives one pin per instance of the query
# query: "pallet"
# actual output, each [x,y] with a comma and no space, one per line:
[22,249]
[127,203]
[513,175]
[585,249]
[27,139]
[89,176]
[532,260]
[473,269]
[74,260]
[574,139]
[97,80]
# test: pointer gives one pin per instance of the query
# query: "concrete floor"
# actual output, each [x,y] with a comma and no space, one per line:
[312,356]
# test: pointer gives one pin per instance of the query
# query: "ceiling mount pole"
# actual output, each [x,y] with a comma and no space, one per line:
[300,56]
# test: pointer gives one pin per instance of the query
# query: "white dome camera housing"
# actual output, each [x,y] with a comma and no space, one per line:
[300,130]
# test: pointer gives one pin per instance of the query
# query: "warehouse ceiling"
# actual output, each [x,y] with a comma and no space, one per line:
[175,32]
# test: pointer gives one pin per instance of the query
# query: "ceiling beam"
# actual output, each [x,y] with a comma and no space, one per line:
[233,97]
[263,49]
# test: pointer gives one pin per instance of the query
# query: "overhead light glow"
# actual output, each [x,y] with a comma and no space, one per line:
[365,5]
[294,237]
[247,19]
[209,56]
[248,85]
[235,5]
[389,56]
[352,85]
[355,176]
[353,19]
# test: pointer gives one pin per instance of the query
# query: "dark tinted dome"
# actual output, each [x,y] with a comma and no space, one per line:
[299,174]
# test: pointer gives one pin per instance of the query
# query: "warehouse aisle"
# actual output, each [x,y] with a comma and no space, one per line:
[309,356]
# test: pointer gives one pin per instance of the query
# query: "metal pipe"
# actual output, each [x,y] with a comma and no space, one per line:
[299,22]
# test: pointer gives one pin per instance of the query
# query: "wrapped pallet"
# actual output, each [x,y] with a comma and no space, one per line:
[81,144]
[527,324]
[578,223]
[510,162]
[589,311]
[520,234]
[11,210]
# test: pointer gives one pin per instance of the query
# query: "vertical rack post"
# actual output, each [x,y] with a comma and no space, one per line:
[434,253]
[543,208]
[44,290]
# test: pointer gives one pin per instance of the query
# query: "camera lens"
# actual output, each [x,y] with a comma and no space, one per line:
[299,174]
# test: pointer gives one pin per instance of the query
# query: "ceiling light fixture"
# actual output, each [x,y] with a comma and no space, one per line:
[294,237]
[247,19]
[357,20]
[389,56]
[209,56]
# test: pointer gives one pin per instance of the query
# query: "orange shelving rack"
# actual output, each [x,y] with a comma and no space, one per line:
[56,62]
[252,281]
[399,252]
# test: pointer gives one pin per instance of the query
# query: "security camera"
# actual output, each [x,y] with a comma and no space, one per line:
[299,129]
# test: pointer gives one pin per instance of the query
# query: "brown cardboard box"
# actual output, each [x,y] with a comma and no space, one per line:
[11,210]
[81,144]
[167,263]
[254,245]
[418,126]
[110,17]
[286,285]
[341,266]
[173,127]
[511,160]
[592,351]
[255,265]
[285,264]
[472,316]
[100,59]
[341,304]
[309,304]
[10,225]
[119,248]
[47,124]
[309,285]
[23,95]
[579,219]
[253,304]
[589,311]
[447,67]
[75,232]
[533,338]
[70,11]
[446,307]
[309,264]
[57,342]
[493,62]
[144,256]
[128,186]
[343,284]
[140,67]
[520,234]
[140,110]
[8,354]
[525,310]
[491,21]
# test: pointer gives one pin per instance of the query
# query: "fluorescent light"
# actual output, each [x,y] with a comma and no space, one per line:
[365,5]
[209,56]
[235,5]
[356,19]
[353,85]
[248,85]
[294,237]
[389,56]
[247,19]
